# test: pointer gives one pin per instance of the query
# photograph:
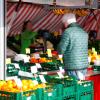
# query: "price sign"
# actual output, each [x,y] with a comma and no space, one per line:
[61,58]
[93,49]
[18,82]
[49,53]
[26,59]
[26,74]
[16,65]
[36,56]
[29,98]
[27,50]
[11,78]
[42,79]
[38,65]
[61,69]
[49,94]
[34,69]
[8,61]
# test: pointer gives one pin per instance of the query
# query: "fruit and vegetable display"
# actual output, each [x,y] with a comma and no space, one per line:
[58,89]
[93,56]
[37,62]
[94,59]
[26,85]
[28,79]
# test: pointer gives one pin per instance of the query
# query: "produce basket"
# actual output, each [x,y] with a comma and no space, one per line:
[28,95]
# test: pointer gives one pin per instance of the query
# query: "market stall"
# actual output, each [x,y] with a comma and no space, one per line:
[40,76]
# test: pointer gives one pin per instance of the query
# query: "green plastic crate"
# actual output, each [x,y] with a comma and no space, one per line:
[28,95]
[84,86]
[85,96]
[39,94]
[68,90]
[49,94]
[96,68]
[68,85]
[59,90]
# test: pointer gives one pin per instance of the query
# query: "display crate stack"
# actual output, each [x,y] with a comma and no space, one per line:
[37,84]
[85,90]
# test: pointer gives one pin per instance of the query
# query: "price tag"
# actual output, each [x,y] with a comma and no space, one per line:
[8,61]
[61,69]
[18,82]
[26,74]
[16,65]
[38,65]
[27,50]
[93,49]
[89,59]
[49,53]
[26,59]
[49,94]
[42,79]
[11,78]
[60,75]
[60,58]
[36,56]
[34,69]
[29,98]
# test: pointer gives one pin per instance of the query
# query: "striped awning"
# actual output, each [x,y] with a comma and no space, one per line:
[91,22]
[43,19]
[40,17]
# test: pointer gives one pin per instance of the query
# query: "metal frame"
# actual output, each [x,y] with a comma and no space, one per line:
[2,39]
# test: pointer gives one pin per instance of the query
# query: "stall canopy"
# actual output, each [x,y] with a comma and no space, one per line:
[43,18]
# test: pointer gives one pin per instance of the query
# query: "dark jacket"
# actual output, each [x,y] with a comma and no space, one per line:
[94,44]
[74,47]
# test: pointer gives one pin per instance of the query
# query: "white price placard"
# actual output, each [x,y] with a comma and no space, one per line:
[36,56]
[11,78]
[49,52]
[16,65]
[27,50]
[61,69]
[34,69]
[60,74]
[8,61]
[60,56]
[42,79]
[49,94]
[29,98]
[26,59]
[18,82]
[38,65]
[26,74]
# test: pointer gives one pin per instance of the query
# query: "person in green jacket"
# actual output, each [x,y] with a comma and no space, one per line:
[27,36]
[74,47]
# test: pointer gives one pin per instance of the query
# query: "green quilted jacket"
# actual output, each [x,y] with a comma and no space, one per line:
[74,47]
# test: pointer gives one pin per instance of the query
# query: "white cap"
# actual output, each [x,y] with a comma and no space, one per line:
[69,18]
